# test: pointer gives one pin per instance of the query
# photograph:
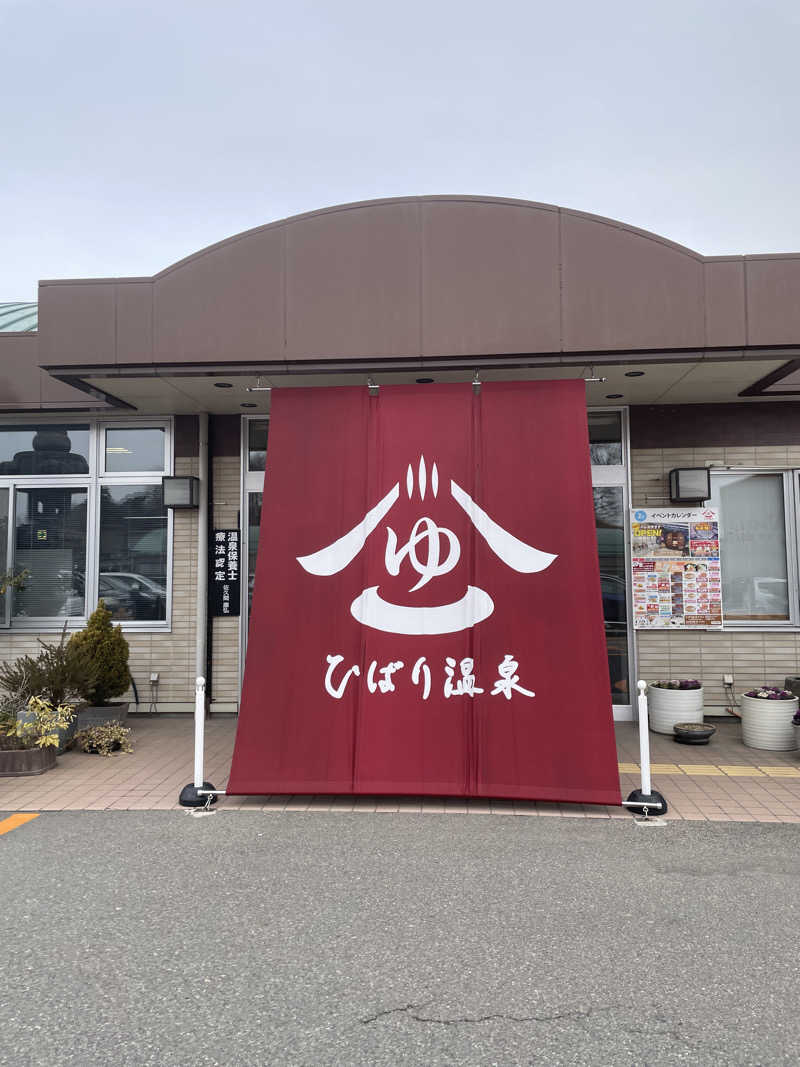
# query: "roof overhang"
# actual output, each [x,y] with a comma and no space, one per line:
[642,377]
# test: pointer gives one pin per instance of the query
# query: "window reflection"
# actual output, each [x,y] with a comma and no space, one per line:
[755,578]
[605,438]
[253,531]
[257,431]
[135,448]
[47,449]
[133,552]
[609,521]
[50,543]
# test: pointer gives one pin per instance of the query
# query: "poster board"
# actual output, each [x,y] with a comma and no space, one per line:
[676,581]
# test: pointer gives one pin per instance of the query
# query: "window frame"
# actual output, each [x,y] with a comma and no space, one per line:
[791,512]
[93,482]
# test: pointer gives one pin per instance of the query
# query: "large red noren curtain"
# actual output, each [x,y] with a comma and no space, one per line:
[427,616]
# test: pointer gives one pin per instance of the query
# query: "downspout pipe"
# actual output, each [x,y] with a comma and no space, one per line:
[201,606]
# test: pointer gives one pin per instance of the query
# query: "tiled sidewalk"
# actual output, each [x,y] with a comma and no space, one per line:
[721,782]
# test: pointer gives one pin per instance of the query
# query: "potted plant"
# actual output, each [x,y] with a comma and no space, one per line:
[767,718]
[105,647]
[104,738]
[59,674]
[673,701]
[28,745]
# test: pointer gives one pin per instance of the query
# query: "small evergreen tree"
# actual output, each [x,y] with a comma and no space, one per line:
[107,650]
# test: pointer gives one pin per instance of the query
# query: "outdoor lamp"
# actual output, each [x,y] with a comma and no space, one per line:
[689,485]
[181,492]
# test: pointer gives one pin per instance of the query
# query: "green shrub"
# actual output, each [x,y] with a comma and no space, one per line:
[60,674]
[104,646]
[105,738]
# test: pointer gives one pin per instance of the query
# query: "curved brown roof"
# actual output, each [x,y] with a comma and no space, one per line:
[434,276]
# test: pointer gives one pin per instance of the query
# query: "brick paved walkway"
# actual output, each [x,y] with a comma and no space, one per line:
[723,781]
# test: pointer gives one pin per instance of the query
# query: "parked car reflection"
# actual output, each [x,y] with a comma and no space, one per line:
[134,597]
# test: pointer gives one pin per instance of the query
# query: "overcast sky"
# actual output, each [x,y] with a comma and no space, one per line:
[135,133]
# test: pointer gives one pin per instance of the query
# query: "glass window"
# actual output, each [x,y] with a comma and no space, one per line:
[605,438]
[755,578]
[253,532]
[46,449]
[257,430]
[133,552]
[4,497]
[609,521]
[135,448]
[50,543]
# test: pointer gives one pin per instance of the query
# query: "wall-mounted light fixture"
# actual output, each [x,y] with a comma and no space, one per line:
[689,485]
[181,492]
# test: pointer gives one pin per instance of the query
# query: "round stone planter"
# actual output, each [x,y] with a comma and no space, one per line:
[667,707]
[96,716]
[693,733]
[767,724]
[19,762]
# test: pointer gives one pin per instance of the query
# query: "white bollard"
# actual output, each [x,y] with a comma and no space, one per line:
[644,738]
[199,730]
[645,800]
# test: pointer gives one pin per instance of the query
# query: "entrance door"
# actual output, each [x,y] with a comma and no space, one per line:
[610,513]
[607,442]
[254,460]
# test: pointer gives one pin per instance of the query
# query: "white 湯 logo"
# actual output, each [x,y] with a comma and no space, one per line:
[440,555]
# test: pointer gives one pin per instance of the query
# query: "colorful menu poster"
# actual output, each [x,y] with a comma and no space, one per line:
[676,573]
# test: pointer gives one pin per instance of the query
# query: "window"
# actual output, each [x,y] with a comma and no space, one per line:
[51,448]
[50,543]
[605,438]
[257,430]
[757,524]
[81,510]
[134,448]
[133,552]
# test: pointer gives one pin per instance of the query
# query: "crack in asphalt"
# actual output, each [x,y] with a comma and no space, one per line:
[409,1010]
[671,1030]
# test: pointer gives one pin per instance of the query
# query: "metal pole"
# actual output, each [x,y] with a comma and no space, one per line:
[199,730]
[644,738]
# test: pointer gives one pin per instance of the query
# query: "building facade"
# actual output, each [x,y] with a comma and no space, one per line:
[109,385]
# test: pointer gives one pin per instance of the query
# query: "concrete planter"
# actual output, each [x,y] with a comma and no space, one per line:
[18,762]
[767,724]
[94,716]
[667,707]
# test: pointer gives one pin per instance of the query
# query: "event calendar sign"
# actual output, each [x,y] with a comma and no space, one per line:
[427,585]
[676,568]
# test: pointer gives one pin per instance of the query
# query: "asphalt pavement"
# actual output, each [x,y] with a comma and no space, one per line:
[247,938]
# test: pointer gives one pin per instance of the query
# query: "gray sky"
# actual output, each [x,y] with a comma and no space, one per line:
[136,133]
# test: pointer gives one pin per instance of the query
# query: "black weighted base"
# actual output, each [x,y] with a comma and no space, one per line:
[190,798]
[651,800]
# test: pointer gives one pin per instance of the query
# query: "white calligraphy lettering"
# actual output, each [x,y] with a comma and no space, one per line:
[422,666]
[465,686]
[509,679]
[333,662]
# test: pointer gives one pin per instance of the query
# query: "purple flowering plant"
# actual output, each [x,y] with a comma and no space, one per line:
[771,692]
[678,683]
